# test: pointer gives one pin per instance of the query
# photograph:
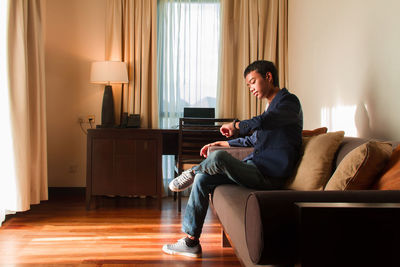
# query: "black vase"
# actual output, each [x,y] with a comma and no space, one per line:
[107,111]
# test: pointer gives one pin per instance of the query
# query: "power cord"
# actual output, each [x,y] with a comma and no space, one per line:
[82,122]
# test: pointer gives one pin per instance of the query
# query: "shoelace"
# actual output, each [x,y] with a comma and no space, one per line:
[185,178]
[180,241]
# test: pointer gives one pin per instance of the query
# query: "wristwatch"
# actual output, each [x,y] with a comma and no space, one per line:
[234,123]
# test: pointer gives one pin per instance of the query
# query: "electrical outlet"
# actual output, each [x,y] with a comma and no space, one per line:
[91,119]
[87,119]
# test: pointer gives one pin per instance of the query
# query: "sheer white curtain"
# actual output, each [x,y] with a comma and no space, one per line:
[188,44]
[23,145]
[7,185]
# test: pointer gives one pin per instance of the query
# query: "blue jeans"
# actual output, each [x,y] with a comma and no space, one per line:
[219,168]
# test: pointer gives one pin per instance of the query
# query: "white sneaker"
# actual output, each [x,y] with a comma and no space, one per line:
[182,182]
[180,248]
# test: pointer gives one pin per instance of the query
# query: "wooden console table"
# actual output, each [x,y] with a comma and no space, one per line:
[127,162]
[348,234]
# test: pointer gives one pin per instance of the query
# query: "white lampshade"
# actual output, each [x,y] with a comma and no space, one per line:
[106,72]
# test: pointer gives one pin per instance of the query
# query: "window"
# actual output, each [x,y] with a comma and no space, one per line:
[188,43]
[188,56]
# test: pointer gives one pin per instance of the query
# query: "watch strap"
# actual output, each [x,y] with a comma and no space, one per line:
[234,123]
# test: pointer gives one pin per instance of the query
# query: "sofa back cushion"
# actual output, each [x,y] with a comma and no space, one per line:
[390,179]
[347,145]
[315,166]
[317,131]
[360,167]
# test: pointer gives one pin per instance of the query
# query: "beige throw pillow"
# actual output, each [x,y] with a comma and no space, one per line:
[315,166]
[360,167]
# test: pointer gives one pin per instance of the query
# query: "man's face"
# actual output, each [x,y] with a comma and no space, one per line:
[259,86]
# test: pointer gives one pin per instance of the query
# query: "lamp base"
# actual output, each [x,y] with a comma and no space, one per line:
[107,110]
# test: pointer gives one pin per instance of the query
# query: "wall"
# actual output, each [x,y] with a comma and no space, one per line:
[344,65]
[74,37]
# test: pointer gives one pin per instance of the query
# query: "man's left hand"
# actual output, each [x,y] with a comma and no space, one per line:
[227,130]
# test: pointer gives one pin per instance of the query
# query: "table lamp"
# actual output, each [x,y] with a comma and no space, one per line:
[108,72]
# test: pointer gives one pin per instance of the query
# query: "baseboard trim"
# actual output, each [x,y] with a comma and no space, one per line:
[66,191]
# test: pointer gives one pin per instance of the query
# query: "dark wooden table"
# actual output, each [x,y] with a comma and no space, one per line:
[127,162]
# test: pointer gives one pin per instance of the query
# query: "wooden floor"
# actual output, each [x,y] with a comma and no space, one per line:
[122,231]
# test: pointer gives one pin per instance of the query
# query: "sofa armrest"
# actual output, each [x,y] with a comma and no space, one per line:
[271,219]
[237,152]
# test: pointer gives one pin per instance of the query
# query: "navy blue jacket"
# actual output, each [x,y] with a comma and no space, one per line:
[276,138]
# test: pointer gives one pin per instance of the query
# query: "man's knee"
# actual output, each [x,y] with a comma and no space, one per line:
[219,156]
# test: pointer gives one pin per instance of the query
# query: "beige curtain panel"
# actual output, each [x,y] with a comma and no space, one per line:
[131,36]
[251,30]
[27,102]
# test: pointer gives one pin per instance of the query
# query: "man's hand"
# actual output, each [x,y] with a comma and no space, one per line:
[204,149]
[228,130]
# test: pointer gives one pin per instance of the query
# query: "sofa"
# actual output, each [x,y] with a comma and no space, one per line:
[262,226]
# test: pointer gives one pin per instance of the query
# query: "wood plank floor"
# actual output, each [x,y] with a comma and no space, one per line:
[121,231]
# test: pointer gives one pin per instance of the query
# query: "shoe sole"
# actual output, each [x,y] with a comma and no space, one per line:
[173,252]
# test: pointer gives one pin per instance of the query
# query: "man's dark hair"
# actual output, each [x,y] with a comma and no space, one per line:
[262,67]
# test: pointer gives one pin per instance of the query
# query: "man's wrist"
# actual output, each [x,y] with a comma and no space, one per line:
[234,124]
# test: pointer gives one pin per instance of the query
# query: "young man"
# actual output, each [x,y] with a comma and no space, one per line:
[276,138]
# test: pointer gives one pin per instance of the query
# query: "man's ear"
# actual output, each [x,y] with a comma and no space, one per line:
[268,76]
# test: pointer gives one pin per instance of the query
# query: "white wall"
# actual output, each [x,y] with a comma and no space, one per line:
[344,64]
[75,36]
